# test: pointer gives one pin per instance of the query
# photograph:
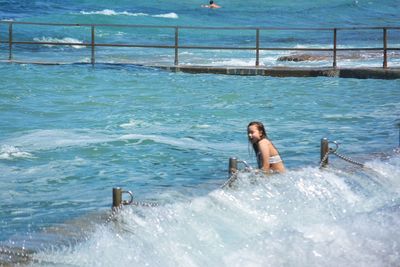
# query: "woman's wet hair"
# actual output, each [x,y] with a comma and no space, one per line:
[260,127]
[211,2]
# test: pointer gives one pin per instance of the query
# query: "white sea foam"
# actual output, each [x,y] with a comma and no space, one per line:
[110,12]
[58,40]
[51,139]
[132,124]
[234,62]
[218,62]
[8,152]
[40,140]
[184,143]
[171,15]
[202,126]
[301,218]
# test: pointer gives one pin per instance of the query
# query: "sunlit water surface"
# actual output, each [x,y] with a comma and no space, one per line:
[71,133]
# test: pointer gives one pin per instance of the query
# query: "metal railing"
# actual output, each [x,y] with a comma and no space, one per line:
[176,45]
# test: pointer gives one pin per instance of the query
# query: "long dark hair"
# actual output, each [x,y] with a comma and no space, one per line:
[261,128]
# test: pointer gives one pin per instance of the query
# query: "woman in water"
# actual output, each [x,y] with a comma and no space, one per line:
[212,5]
[267,155]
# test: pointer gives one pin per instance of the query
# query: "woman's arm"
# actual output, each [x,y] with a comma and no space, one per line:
[265,152]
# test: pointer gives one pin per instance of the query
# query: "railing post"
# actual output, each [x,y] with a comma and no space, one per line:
[324,151]
[257,47]
[10,40]
[232,166]
[384,48]
[176,62]
[334,47]
[93,46]
[117,197]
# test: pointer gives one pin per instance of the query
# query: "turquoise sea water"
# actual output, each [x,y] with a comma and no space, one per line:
[71,133]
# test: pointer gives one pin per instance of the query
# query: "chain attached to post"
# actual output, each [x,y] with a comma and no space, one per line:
[326,150]
[233,170]
[119,203]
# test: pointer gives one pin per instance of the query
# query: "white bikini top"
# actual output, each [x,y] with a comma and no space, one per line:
[275,159]
[272,160]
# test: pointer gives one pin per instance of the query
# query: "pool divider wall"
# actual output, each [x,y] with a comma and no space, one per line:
[359,73]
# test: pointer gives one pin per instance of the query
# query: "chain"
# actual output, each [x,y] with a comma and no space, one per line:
[230,180]
[348,159]
[144,204]
[114,212]
[234,177]
[324,159]
[18,253]
[334,151]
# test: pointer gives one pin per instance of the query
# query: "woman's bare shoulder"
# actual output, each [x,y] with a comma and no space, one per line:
[265,141]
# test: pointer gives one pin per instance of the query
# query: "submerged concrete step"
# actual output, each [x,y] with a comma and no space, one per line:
[360,73]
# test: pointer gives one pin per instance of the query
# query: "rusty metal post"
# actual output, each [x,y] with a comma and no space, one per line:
[10,40]
[257,47]
[334,47]
[93,41]
[176,62]
[232,166]
[384,48]
[117,197]
[324,152]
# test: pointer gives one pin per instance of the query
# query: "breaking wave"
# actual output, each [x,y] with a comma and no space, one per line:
[110,12]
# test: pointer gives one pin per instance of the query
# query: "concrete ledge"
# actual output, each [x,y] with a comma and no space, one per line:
[359,73]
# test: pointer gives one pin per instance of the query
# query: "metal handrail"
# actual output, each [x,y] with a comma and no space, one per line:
[176,46]
[200,27]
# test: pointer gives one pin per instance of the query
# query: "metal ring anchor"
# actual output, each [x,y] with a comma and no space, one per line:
[124,202]
[333,150]
[117,197]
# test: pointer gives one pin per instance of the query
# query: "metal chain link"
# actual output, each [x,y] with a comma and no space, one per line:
[334,151]
[324,159]
[144,204]
[11,253]
[230,180]
[116,210]
[348,159]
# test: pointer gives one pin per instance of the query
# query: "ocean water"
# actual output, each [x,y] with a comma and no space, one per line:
[70,133]
[271,14]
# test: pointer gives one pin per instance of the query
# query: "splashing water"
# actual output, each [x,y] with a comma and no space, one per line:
[305,217]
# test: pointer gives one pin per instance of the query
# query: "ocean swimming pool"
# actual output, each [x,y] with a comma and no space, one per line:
[71,133]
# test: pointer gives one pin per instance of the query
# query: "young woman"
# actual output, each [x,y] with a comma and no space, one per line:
[267,155]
